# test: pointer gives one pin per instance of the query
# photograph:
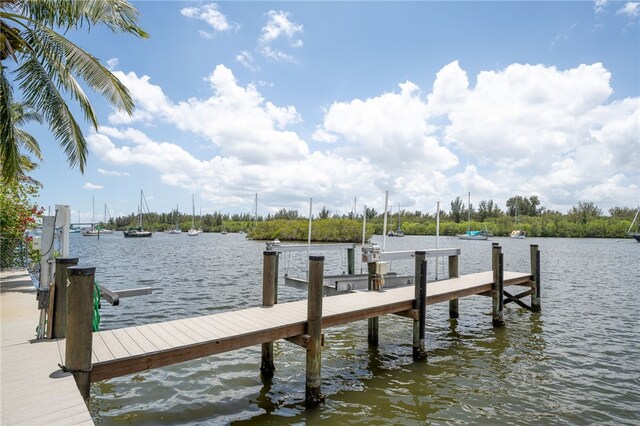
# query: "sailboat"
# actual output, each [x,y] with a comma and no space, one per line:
[177,229]
[102,228]
[518,234]
[193,232]
[472,235]
[93,231]
[398,232]
[138,232]
[636,233]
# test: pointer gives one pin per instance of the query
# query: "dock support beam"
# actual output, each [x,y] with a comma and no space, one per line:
[497,290]
[535,272]
[372,323]
[453,273]
[269,284]
[419,304]
[58,298]
[79,332]
[313,395]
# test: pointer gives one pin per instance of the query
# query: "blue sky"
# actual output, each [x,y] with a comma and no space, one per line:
[337,100]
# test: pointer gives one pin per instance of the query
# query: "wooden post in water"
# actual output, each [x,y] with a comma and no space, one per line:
[419,304]
[269,278]
[535,271]
[372,323]
[58,302]
[453,273]
[79,333]
[314,330]
[351,261]
[498,286]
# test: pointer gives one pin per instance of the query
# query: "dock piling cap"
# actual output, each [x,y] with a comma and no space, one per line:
[316,258]
[66,260]
[83,271]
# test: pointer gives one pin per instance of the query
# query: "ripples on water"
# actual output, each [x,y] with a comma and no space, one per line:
[577,362]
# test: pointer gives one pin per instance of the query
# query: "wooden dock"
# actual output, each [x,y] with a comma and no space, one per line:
[32,389]
[134,349]
[107,354]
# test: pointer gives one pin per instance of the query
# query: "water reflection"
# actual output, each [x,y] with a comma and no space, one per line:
[575,362]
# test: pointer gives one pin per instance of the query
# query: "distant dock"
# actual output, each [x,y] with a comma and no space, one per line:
[107,354]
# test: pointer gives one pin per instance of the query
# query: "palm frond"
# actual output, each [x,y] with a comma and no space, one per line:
[117,15]
[27,141]
[9,147]
[40,91]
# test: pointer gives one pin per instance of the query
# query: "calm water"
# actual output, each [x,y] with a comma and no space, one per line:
[576,362]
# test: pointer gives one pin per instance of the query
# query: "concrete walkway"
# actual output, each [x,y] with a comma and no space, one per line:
[33,391]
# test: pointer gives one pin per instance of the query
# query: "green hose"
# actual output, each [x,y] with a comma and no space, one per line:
[96,306]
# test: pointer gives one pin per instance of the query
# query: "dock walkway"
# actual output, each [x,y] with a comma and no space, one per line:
[28,393]
[134,349]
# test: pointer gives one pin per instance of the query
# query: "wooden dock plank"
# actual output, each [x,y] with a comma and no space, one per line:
[127,342]
[189,332]
[206,332]
[145,344]
[100,349]
[114,345]
[153,337]
[166,335]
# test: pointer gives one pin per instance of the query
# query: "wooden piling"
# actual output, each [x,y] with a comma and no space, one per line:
[453,273]
[535,272]
[419,304]
[58,301]
[313,395]
[497,289]
[351,261]
[79,326]
[372,323]
[269,284]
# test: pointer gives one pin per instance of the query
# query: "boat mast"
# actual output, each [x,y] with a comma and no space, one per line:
[140,211]
[193,211]
[469,214]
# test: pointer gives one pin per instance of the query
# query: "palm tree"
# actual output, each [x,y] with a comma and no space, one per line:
[21,114]
[46,69]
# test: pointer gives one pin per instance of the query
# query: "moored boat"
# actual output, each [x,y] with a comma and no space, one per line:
[138,232]
[518,234]
[473,235]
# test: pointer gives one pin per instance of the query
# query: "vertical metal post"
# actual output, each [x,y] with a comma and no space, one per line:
[419,304]
[313,395]
[498,286]
[535,272]
[453,273]
[269,277]
[372,323]
[57,323]
[79,333]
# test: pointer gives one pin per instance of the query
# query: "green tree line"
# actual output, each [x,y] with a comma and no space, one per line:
[584,220]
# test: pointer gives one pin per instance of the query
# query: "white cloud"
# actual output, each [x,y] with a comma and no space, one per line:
[630,9]
[525,129]
[112,64]
[92,186]
[236,120]
[600,5]
[246,59]
[210,14]
[390,130]
[111,172]
[282,33]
